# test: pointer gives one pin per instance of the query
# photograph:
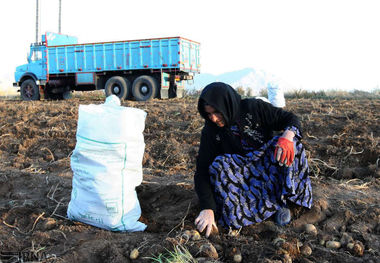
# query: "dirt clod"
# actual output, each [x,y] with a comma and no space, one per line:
[50,223]
[358,248]
[346,239]
[278,242]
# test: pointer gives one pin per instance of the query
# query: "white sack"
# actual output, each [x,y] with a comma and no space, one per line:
[107,166]
[276,94]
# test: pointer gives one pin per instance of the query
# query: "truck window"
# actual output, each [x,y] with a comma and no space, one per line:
[36,55]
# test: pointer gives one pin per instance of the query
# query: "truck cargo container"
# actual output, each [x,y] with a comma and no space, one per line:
[132,69]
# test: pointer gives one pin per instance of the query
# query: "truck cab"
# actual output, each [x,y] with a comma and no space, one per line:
[29,76]
[33,76]
[36,66]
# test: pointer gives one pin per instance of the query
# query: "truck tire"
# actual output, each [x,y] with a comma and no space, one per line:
[144,88]
[29,90]
[118,86]
[51,95]
[67,95]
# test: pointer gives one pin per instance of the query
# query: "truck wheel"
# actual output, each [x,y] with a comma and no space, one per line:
[118,86]
[29,90]
[67,94]
[144,88]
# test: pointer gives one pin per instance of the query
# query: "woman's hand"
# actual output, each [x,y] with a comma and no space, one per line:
[284,152]
[205,220]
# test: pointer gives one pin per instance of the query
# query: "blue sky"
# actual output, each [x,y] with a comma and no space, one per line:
[310,44]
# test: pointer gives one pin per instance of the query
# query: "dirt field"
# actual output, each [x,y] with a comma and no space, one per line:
[37,139]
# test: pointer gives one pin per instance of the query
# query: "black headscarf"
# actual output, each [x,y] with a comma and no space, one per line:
[223,98]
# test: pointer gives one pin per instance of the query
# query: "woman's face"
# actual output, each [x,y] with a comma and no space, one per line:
[215,116]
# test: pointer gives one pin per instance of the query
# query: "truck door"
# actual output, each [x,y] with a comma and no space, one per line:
[37,64]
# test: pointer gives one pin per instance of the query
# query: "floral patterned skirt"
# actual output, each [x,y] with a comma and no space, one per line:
[249,189]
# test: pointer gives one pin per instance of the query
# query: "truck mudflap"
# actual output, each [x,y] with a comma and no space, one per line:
[165,84]
[180,85]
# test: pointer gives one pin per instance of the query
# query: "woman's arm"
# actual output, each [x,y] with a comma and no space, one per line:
[289,135]
[203,188]
[202,184]
[275,118]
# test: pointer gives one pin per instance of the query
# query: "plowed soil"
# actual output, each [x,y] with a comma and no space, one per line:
[37,139]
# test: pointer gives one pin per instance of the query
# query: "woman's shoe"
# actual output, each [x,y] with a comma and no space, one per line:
[282,216]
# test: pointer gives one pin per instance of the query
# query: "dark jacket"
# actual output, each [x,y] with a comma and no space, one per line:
[255,119]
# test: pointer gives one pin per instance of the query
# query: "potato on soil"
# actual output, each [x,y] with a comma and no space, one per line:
[134,254]
[208,250]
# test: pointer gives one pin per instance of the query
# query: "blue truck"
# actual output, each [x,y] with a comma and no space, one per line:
[132,69]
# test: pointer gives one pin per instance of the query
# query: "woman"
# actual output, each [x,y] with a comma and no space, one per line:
[245,175]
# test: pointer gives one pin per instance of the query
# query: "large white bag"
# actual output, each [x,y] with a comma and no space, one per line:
[276,94]
[107,166]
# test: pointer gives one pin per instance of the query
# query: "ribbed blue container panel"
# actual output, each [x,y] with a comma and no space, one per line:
[165,53]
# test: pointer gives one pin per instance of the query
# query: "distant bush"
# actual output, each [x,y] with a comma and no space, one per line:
[240,90]
[249,92]
[193,93]
[263,93]
[332,94]
[299,94]
[376,92]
